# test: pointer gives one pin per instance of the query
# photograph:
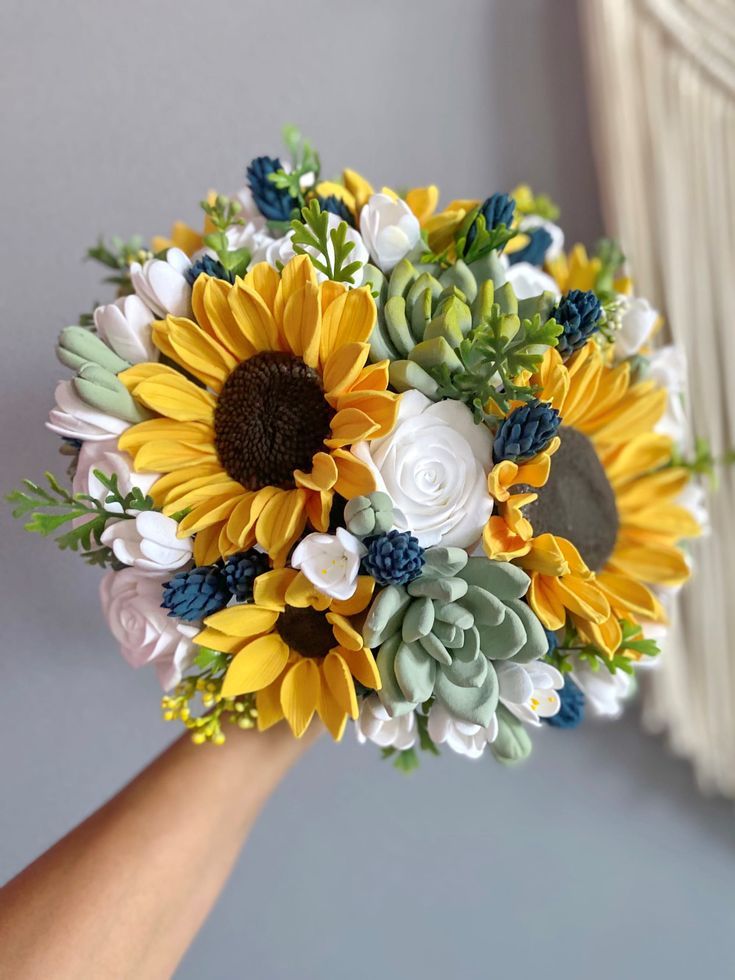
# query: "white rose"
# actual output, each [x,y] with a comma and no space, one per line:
[390,230]
[434,465]
[109,460]
[125,326]
[461,736]
[668,368]
[375,725]
[528,281]
[162,284]
[533,221]
[331,562]
[148,542]
[529,691]
[74,418]
[604,692]
[131,603]
[637,320]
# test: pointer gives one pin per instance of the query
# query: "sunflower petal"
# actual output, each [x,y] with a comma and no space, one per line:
[254,318]
[269,589]
[256,666]
[281,522]
[362,666]
[244,620]
[339,680]
[302,323]
[323,474]
[349,319]
[359,599]
[355,477]
[343,367]
[300,695]
[177,398]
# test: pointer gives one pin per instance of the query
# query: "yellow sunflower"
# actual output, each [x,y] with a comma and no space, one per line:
[261,444]
[604,525]
[296,649]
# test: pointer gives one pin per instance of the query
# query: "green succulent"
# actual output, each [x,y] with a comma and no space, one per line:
[368,515]
[437,636]
[459,335]
[78,346]
[101,389]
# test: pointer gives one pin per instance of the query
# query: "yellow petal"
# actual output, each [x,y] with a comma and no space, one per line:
[545,556]
[374,377]
[176,398]
[268,706]
[220,641]
[343,366]
[243,620]
[256,666]
[637,456]
[659,564]
[359,600]
[423,201]
[282,521]
[362,666]
[264,280]
[626,594]
[207,513]
[206,546]
[349,319]
[197,352]
[330,188]
[296,273]
[546,603]
[360,188]
[302,593]
[302,323]
[323,474]
[350,425]
[344,633]
[330,712]
[300,695]
[212,309]
[355,477]
[269,589]
[254,318]
[165,455]
[381,406]
[340,682]
[242,521]
[132,376]
[584,598]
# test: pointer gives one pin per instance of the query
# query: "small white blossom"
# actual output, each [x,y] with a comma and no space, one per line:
[461,736]
[528,281]
[604,692]
[637,320]
[331,562]
[375,725]
[125,326]
[148,542]
[162,284]
[529,691]
[390,230]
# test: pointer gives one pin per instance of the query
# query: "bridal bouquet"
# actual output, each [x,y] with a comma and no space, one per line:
[346,453]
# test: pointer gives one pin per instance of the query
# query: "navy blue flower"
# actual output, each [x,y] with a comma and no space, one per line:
[580,314]
[210,267]
[274,203]
[525,432]
[535,251]
[395,558]
[241,570]
[334,205]
[196,593]
[498,209]
[571,712]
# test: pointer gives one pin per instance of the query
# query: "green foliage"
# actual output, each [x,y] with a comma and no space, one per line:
[311,234]
[117,256]
[211,660]
[304,162]
[611,256]
[493,355]
[223,212]
[49,510]
[485,239]
[703,462]
[594,658]
[540,204]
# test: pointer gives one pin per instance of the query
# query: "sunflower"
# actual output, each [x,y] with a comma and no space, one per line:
[258,443]
[604,525]
[296,648]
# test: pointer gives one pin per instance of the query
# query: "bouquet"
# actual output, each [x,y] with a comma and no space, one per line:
[344,453]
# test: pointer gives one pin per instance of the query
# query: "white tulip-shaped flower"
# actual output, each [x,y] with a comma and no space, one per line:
[529,691]
[529,281]
[637,320]
[331,562]
[131,603]
[162,284]
[74,418]
[604,692]
[460,736]
[105,457]
[390,230]
[125,326]
[434,465]
[148,542]
[375,725]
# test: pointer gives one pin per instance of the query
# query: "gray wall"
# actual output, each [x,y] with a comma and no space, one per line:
[596,859]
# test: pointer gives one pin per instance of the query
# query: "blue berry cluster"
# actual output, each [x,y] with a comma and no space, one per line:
[571,712]
[201,591]
[528,430]
[498,209]
[274,203]
[580,314]
[241,570]
[208,266]
[535,251]
[394,558]
[334,205]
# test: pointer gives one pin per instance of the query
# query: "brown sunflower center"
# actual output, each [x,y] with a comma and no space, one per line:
[577,502]
[271,417]
[306,631]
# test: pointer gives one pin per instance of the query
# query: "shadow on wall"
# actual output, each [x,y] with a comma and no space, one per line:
[537,140]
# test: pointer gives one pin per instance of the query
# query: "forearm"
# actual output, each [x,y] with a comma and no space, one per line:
[124,893]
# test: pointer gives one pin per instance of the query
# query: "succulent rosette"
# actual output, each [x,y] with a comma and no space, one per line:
[350,456]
